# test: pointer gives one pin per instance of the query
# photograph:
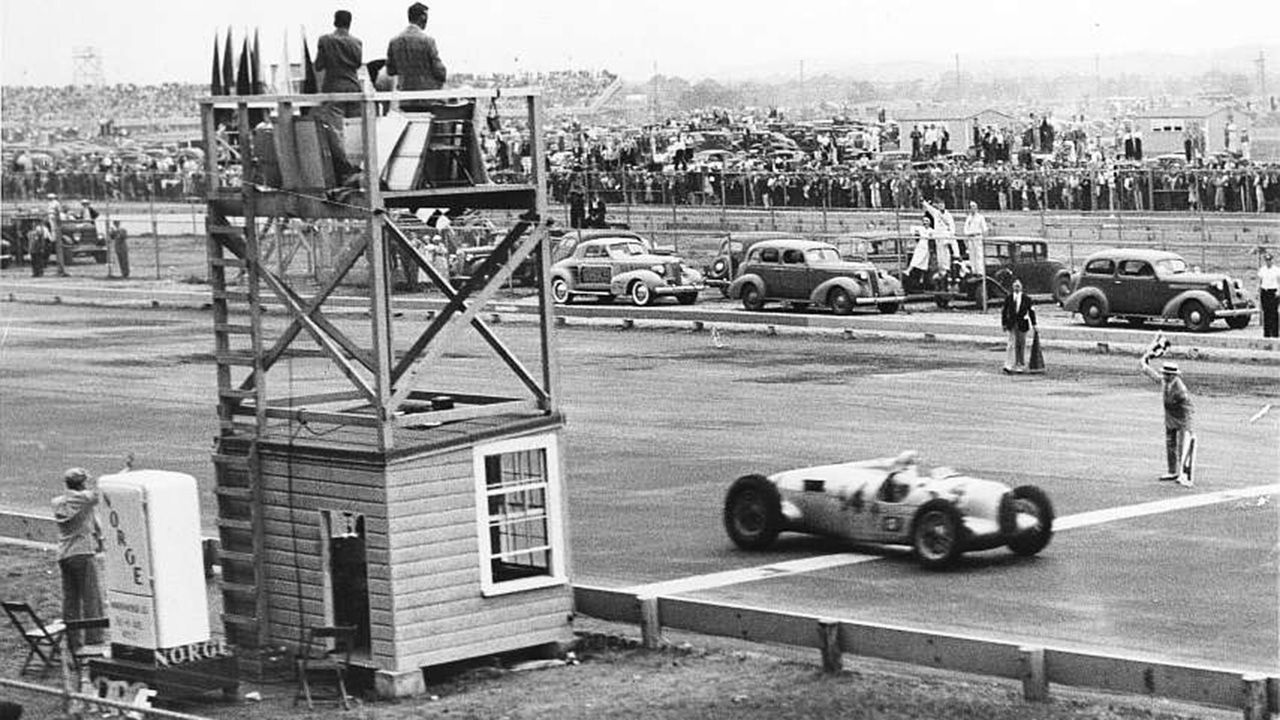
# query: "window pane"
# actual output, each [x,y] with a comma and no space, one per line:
[518,532]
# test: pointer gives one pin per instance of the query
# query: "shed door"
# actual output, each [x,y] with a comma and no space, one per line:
[347,573]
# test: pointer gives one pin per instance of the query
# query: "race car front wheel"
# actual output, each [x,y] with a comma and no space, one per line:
[1026,519]
[935,536]
[753,512]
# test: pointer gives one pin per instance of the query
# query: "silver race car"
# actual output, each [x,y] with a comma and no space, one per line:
[890,501]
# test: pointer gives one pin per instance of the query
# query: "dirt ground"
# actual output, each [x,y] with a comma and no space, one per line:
[610,676]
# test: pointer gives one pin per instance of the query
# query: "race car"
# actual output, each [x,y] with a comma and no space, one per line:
[890,501]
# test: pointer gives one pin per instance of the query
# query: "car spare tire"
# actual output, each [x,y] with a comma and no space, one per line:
[753,512]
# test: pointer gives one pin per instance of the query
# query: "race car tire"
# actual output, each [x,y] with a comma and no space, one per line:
[840,301]
[1239,322]
[1196,316]
[1032,500]
[1091,311]
[751,297]
[936,534]
[753,512]
[560,292]
[641,294]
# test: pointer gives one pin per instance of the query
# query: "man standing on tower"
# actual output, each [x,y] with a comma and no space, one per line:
[412,57]
[339,55]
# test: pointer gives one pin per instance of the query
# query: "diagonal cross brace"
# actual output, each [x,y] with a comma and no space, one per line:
[308,316]
[441,329]
[481,328]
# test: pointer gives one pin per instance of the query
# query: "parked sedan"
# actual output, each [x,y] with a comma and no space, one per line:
[611,267]
[810,273]
[1141,285]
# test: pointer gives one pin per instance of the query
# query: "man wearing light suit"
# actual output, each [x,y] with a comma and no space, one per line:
[1017,317]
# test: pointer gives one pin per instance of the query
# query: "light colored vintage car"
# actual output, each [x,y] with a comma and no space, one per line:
[612,267]
[890,501]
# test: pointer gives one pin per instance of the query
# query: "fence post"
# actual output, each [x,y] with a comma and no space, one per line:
[1035,681]
[650,623]
[155,231]
[1256,702]
[829,639]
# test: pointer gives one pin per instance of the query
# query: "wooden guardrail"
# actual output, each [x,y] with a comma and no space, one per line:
[32,528]
[1037,667]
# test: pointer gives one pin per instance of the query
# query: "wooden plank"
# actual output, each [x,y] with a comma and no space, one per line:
[1209,686]
[33,528]
[480,646]
[315,166]
[409,513]
[739,622]
[494,612]
[606,604]
[474,641]
[403,169]
[422,570]
[416,560]
[950,652]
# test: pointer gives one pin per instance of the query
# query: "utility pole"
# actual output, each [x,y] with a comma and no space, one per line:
[803,96]
[1261,62]
[959,87]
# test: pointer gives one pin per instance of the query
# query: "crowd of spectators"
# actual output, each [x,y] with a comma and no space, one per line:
[713,156]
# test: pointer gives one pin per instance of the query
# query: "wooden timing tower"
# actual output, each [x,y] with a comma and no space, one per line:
[431,520]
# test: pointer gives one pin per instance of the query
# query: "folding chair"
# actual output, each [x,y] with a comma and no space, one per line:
[76,659]
[44,640]
[326,650]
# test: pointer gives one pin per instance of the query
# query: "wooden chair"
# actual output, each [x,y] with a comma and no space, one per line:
[326,650]
[44,640]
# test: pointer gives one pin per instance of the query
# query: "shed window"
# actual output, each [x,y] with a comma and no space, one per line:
[518,512]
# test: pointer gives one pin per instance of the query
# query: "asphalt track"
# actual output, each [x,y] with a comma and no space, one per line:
[661,420]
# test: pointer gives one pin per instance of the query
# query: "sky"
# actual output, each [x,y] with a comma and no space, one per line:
[153,41]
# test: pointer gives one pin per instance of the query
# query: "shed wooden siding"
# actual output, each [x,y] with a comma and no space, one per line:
[440,613]
[296,489]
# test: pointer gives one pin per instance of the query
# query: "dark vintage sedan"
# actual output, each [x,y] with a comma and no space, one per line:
[733,248]
[1026,259]
[806,273]
[1143,285]
[612,267]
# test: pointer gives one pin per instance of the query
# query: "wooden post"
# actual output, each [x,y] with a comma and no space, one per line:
[1255,701]
[380,281]
[1035,680]
[829,639]
[650,624]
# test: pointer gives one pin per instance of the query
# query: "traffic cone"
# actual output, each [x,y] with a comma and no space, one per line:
[1037,356]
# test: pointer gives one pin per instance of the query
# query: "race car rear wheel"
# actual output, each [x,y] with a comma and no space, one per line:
[753,512]
[935,535]
[1020,504]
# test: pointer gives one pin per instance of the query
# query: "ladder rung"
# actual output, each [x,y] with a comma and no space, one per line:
[234,230]
[233,461]
[231,295]
[233,556]
[239,589]
[230,524]
[233,329]
[238,619]
[235,357]
[235,493]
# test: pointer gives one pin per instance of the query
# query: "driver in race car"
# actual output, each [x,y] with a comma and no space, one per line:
[902,475]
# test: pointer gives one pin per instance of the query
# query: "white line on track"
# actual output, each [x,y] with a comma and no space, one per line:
[823,562]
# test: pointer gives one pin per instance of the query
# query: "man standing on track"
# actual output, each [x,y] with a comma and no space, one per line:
[1177,414]
[1268,285]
